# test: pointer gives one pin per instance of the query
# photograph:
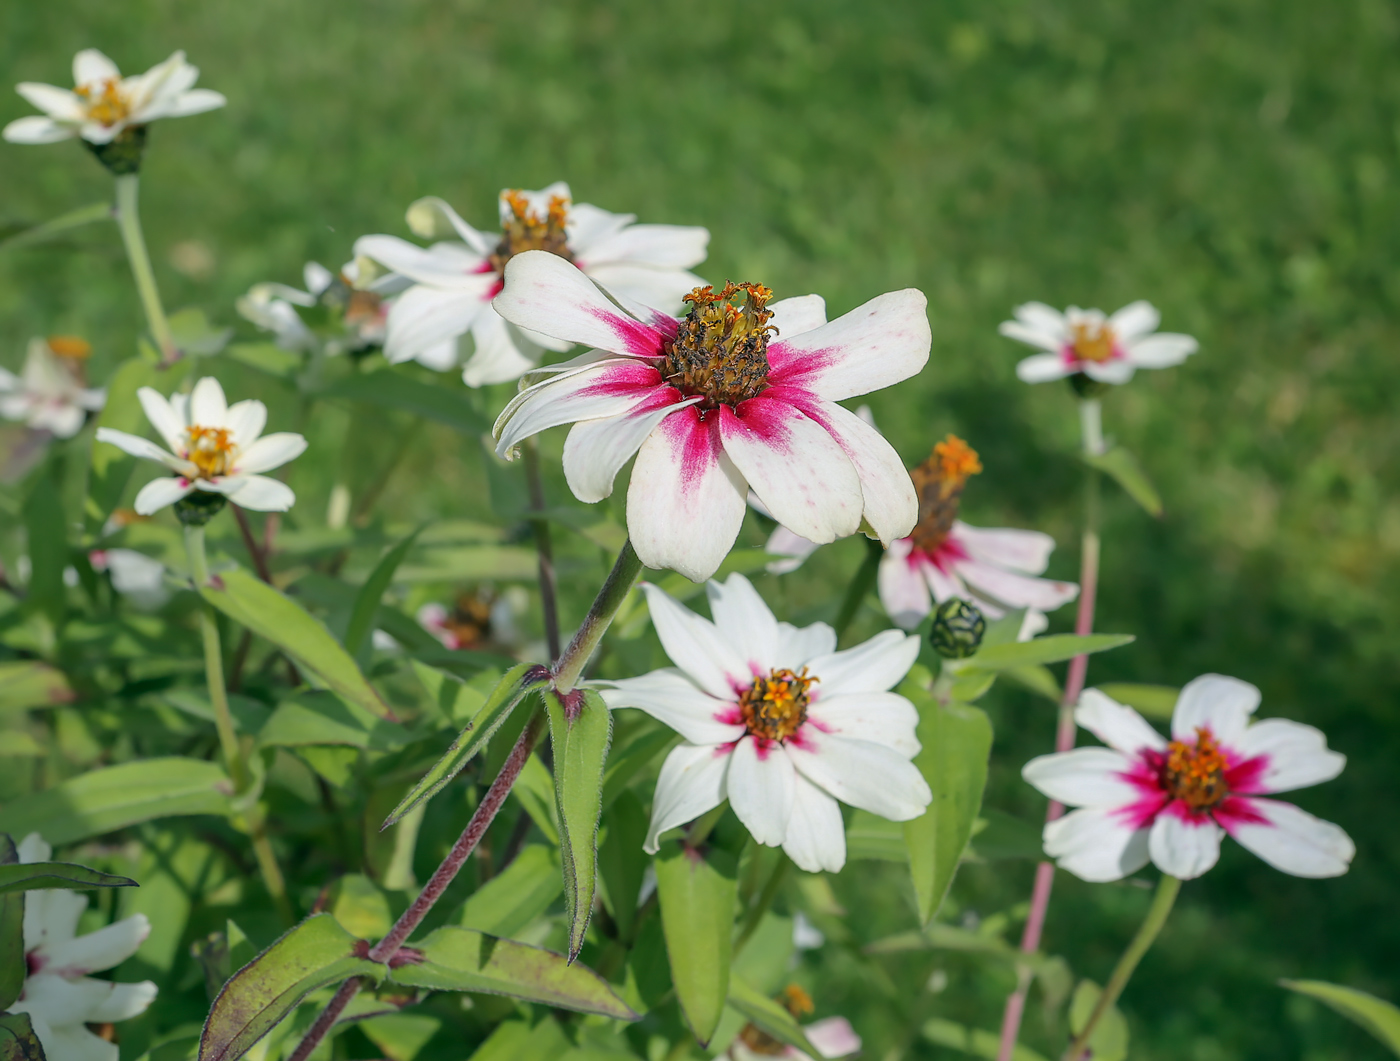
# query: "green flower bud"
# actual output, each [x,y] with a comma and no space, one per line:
[198,508]
[958,627]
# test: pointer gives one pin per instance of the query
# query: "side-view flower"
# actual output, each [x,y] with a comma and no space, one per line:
[59,995]
[453,282]
[1145,797]
[778,722]
[362,312]
[49,393]
[214,448]
[713,404]
[1106,349]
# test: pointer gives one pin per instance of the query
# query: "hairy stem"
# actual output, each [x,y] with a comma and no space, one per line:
[549,596]
[1167,889]
[861,584]
[600,616]
[129,221]
[250,543]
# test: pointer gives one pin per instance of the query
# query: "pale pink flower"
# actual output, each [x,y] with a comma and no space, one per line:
[1106,349]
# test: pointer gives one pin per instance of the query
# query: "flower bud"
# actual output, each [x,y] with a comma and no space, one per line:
[958,627]
[198,508]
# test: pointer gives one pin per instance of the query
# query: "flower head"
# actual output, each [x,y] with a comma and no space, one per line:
[1144,797]
[453,282]
[738,394]
[1084,341]
[49,393]
[478,618]
[59,995]
[214,448]
[359,312]
[778,722]
[103,105]
[833,1037]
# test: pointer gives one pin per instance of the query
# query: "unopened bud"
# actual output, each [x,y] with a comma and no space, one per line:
[958,627]
[198,508]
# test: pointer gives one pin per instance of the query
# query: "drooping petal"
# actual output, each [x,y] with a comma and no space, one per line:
[692,781]
[1184,844]
[816,836]
[1017,550]
[1095,844]
[873,346]
[761,787]
[602,389]
[1083,777]
[158,493]
[872,666]
[444,265]
[670,697]
[58,103]
[802,313]
[258,493]
[1118,726]
[1016,591]
[596,450]
[1292,840]
[862,773]
[164,418]
[1215,702]
[1134,319]
[696,646]
[885,718]
[745,621]
[246,420]
[424,317]
[1161,351]
[686,501]
[270,451]
[124,1001]
[662,247]
[208,406]
[833,1037]
[1042,368]
[1295,756]
[36,129]
[98,950]
[904,592]
[803,644]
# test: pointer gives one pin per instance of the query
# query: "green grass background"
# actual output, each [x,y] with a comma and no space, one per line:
[1235,162]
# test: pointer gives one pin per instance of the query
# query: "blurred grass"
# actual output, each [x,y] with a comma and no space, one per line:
[1235,162]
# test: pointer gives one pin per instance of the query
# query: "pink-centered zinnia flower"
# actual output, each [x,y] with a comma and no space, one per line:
[1145,797]
[1106,349]
[732,396]
[778,722]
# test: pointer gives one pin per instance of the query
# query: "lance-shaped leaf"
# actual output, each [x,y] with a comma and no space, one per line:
[769,1016]
[518,681]
[33,876]
[23,236]
[1109,1039]
[462,959]
[1050,649]
[579,733]
[114,797]
[697,891]
[17,1039]
[1123,468]
[271,614]
[1376,1015]
[12,964]
[316,953]
[367,600]
[392,389]
[956,742]
[29,683]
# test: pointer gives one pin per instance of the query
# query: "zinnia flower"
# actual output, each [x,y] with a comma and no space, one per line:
[48,394]
[362,311]
[1144,797]
[945,557]
[454,282]
[134,575]
[59,996]
[778,722]
[103,105]
[713,405]
[1106,349]
[214,448]
[833,1037]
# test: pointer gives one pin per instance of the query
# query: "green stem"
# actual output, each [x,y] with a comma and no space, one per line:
[861,584]
[765,900]
[1167,890]
[600,616]
[549,595]
[702,826]
[214,662]
[129,221]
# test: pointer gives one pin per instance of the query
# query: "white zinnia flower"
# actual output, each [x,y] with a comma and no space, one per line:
[134,575]
[712,405]
[48,394]
[59,996]
[454,282]
[833,1037]
[1107,349]
[214,448]
[272,307]
[778,722]
[103,105]
[1144,797]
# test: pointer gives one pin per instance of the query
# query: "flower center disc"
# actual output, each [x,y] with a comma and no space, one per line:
[939,482]
[110,106]
[526,230]
[720,352]
[1195,773]
[774,708]
[210,450]
[1092,342]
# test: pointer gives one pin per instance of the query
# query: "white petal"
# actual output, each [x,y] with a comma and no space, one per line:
[805,643]
[141,447]
[873,346]
[208,407]
[36,129]
[51,917]
[833,1037]
[163,417]
[73,1042]
[268,452]
[424,317]
[1294,756]
[692,781]
[58,103]
[444,266]
[604,389]
[1042,368]
[596,450]
[98,950]
[783,542]
[885,718]
[903,588]
[1017,550]
[685,504]
[588,225]
[195,101]
[636,287]
[1083,777]
[1184,847]
[1161,351]
[501,351]
[123,1002]
[742,619]
[760,786]
[34,848]
[872,666]
[1117,726]
[317,278]
[158,493]
[424,216]
[1117,371]
[1217,703]
[1292,840]
[246,420]
[670,697]
[1096,844]
[1016,591]
[90,66]
[816,836]
[443,358]
[696,646]
[862,773]
[802,313]
[1135,319]
[258,493]
[662,247]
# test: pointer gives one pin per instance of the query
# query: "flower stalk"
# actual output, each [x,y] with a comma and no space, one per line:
[129,221]
[600,616]
[860,585]
[549,595]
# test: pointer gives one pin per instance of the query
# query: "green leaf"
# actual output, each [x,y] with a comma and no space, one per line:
[769,1016]
[274,616]
[33,876]
[956,743]
[1050,649]
[47,230]
[513,687]
[507,903]
[265,357]
[579,738]
[13,966]
[367,600]
[1377,1016]
[193,334]
[460,959]
[534,790]
[627,759]
[1038,679]
[29,683]
[391,389]
[48,545]
[316,953]
[400,1036]
[622,862]
[360,907]
[322,717]
[972,1041]
[698,892]
[101,801]
[1123,468]
[1109,1040]
[17,1039]
[870,836]
[1154,701]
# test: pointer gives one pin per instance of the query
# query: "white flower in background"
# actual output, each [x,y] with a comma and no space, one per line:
[364,312]
[1144,797]
[455,281]
[59,996]
[134,575]
[778,722]
[103,105]
[214,448]
[478,618]
[713,405]
[48,394]
[833,1037]
[1107,349]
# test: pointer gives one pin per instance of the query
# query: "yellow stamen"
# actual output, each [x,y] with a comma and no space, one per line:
[110,106]
[1195,773]
[70,346]
[210,450]
[1091,341]
[796,1001]
[720,352]
[526,230]
[774,708]
[939,482]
